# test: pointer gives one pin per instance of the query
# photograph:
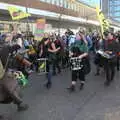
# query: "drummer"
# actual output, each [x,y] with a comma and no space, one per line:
[78,49]
[112,48]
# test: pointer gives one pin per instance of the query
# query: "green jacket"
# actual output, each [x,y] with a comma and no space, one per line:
[81,45]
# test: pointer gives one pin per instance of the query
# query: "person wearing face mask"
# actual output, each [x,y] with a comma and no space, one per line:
[46,50]
[111,48]
[78,49]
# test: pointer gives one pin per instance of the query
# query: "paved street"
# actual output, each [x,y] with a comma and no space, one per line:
[95,102]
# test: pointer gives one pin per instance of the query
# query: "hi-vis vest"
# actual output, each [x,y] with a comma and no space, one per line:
[2,70]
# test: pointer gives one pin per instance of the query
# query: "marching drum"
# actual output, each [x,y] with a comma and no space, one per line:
[76,63]
[23,61]
[105,55]
[102,56]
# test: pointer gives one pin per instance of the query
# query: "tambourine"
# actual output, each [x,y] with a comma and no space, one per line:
[23,61]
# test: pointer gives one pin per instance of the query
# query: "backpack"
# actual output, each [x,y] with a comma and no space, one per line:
[2,70]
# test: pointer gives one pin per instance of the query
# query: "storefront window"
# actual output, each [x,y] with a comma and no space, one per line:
[62,3]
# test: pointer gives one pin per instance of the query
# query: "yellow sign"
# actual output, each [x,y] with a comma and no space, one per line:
[17,14]
[103,21]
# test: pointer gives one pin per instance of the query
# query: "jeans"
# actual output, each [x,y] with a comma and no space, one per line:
[118,63]
[49,72]
[56,65]
[110,71]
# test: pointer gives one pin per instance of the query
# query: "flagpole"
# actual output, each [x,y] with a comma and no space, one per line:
[27,26]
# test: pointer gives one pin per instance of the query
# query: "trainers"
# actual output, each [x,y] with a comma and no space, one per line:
[22,107]
[81,86]
[107,83]
[54,74]
[48,85]
[97,74]
[71,88]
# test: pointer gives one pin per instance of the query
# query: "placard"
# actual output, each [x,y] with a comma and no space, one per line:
[42,66]
[76,63]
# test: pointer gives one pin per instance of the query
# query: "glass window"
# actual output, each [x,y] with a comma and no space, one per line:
[61,3]
[43,0]
[65,3]
[53,2]
[75,7]
[57,2]
[72,6]
[48,1]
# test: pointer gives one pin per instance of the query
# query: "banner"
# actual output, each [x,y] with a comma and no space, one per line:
[40,27]
[76,63]
[103,21]
[17,14]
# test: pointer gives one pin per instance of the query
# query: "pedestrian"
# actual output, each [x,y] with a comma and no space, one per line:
[57,60]
[78,49]
[111,48]
[46,50]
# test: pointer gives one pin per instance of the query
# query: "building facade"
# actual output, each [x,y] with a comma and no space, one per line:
[111,8]
[114,11]
[59,14]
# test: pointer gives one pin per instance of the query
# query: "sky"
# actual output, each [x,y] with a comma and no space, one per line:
[92,3]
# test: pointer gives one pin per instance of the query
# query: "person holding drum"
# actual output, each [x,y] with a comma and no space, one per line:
[79,51]
[111,48]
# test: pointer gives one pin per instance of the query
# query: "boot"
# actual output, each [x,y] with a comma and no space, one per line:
[107,83]
[54,73]
[48,85]
[82,86]
[97,74]
[71,88]
[22,107]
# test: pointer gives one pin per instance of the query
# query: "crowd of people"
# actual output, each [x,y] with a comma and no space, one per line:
[75,50]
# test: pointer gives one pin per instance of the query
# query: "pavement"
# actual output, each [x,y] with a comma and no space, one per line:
[95,102]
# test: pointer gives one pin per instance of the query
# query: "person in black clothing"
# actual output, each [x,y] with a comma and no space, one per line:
[57,58]
[118,56]
[111,48]
[78,49]
[46,50]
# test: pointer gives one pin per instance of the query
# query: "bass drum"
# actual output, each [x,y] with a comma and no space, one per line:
[23,61]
